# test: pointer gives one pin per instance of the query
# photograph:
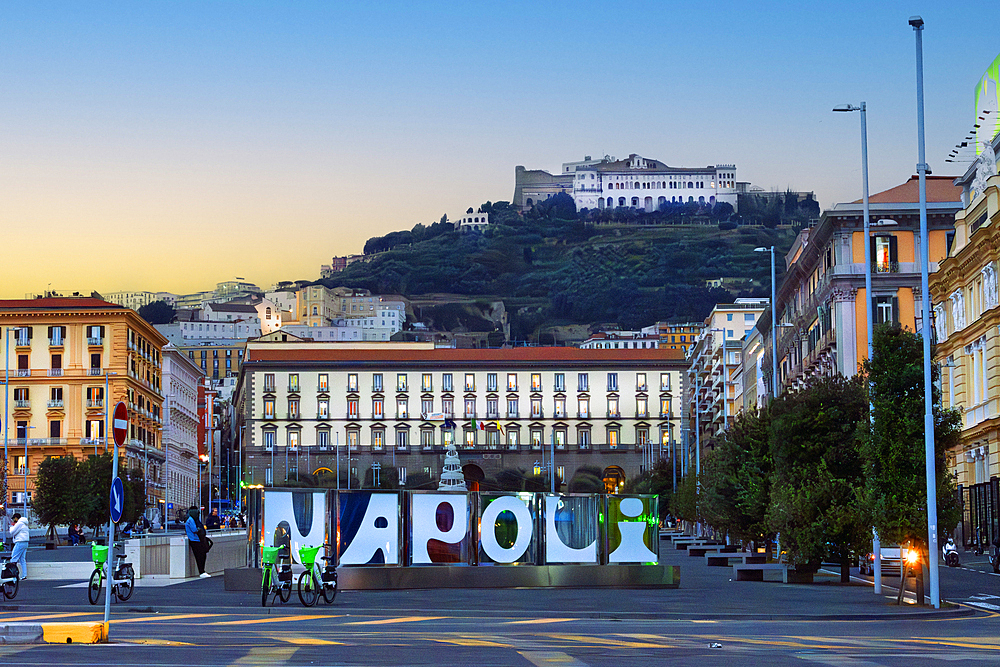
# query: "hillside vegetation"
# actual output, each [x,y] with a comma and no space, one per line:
[550,267]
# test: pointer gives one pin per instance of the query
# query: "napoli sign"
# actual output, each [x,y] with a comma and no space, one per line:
[413,528]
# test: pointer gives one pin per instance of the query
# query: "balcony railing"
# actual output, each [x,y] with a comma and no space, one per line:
[95,402]
[614,414]
[513,415]
[56,341]
[22,341]
[23,404]
[56,403]
[402,414]
[23,372]
[583,414]
[95,371]
[55,372]
[95,340]
[885,267]
[537,414]
[493,414]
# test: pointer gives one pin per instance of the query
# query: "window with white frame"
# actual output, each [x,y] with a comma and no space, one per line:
[269,439]
[582,382]
[353,439]
[536,382]
[614,437]
[378,411]
[402,439]
[378,439]
[426,382]
[641,407]
[612,381]
[583,408]
[613,407]
[352,382]
[470,408]
[513,437]
[664,381]
[511,381]
[401,382]
[559,382]
[427,438]
[446,382]
[323,438]
[294,439]
[583,437]
[402,408]
[470,382]
[491,382]
[640,382]
[536,438]
[376,382]
[323,409]
[470,438]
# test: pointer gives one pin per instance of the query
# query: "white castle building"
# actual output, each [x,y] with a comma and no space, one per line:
[639,182]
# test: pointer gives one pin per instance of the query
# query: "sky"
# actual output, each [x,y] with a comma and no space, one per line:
[169,146]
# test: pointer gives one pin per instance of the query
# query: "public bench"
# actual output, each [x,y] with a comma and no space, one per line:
[696,543]
[699,550]
[722,559]
[755,572]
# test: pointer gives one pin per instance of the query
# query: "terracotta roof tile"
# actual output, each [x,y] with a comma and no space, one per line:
[58,302]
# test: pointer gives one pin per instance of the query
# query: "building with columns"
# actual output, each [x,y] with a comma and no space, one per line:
[821,312]
[967,322]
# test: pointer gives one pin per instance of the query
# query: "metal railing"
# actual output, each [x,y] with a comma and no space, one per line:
[95,340]
[56,403]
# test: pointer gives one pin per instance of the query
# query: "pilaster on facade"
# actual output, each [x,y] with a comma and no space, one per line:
[967,320]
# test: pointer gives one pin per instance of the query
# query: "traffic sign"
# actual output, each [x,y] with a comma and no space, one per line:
[170,506]
[117,498]
[119,424]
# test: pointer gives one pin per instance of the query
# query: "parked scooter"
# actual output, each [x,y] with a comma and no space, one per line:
[950,553]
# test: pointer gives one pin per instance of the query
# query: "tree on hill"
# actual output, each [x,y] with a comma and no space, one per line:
[157,312]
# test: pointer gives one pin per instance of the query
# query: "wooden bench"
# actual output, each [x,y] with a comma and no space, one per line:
[722,559]
[702,549]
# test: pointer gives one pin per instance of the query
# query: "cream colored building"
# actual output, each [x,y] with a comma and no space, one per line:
[967,322]
[181,377]
[386,403]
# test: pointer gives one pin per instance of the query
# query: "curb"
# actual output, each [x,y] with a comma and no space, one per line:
[84,632]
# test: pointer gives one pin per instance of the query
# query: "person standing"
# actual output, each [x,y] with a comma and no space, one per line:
[195,530]
[20,534]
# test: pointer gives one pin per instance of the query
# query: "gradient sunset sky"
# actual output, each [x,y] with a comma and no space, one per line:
[172,145]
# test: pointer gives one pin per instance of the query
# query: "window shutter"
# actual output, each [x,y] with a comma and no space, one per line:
[29,332]
[872,254]
[50,331]
[895,309]
[893,256]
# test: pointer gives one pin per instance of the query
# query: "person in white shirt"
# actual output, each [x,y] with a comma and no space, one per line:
[20,534]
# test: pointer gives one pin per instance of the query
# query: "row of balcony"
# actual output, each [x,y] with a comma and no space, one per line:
[439,448]
[57,372]
[58,403]
[489,415]
[56,341]
[37,442]
[379,389]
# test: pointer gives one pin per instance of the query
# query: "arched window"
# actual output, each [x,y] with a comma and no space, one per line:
[611,202]
[701,200]
[648,203]
[267,313]
[711,199]
[635,201]
[636,185]
[690,185]
[315,311]
[529,202]
[661,201]
[621,201]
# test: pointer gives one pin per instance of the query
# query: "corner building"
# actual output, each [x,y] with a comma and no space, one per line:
[386,404]
[58,353]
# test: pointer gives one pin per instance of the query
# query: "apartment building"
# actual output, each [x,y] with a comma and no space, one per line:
[182,378]
[821,311]
[713,391]
[300,404]
[967,322]
[66,360]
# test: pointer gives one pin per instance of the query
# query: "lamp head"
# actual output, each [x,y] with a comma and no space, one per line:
[845,107]
[916,22]
[760,249]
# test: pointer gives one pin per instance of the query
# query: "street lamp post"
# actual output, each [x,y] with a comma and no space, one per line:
[876,543]
[925,297]
[6,428]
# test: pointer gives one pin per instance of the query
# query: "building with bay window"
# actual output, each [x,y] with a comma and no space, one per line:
[314,406]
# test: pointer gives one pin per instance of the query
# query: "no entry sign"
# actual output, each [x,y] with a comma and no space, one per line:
[119,424]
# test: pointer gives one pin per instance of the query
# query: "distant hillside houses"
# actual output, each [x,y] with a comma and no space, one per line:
[636,182]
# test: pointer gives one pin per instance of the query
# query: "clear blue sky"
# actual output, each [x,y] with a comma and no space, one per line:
[167,146]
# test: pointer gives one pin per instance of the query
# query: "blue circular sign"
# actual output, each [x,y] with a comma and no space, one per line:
[117,499]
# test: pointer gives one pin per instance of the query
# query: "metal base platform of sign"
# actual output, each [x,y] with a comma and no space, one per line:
[534,576]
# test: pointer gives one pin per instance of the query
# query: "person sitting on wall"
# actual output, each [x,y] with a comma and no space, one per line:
[76,535]
[212,521]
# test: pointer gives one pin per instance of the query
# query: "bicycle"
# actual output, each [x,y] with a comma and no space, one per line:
[123,576]
[277,578]
[10,577]
[315,581]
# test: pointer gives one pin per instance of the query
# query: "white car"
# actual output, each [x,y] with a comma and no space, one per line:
[892,557]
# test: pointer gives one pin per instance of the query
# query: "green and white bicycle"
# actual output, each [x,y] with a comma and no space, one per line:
[316,581]
[122,579]
[277,578]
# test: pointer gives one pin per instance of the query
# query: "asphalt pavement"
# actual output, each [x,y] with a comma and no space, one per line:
[710,620]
